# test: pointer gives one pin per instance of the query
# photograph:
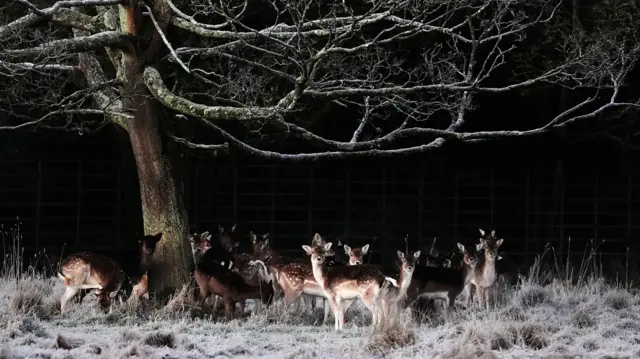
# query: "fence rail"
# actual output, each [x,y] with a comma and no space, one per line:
[88,204]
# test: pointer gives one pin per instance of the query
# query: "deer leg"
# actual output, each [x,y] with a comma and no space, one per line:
[90,286]
[339,314]
[69,293]
[204,294]
[327,309]
[469,292]
[242,304]
[480,293]
[336,312]
[229,308]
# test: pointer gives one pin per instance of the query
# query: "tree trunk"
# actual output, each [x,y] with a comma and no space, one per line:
[161,198]
[162,205]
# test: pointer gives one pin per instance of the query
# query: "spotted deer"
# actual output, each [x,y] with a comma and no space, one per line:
[344,283]
[215,279]
[297,281]
[484,276]
[441,283]
[86,270]
[356,255]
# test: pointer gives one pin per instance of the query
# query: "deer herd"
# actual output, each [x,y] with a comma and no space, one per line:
[264,275]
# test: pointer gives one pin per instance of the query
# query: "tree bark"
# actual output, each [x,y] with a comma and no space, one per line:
[161,198]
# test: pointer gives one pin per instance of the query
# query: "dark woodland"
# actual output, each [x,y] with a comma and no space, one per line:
[368,121]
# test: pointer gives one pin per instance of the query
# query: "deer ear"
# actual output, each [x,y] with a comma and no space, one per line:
[307,249]
[204,234]
[481,231]
[233,229]
[347,249]
[208,238]
[157,237]
[479,246]
[317,238]
[191,240]
[401,255]
[327,246]
[365,249]
[499,242]
[220,229]
[499,257]
[253,237]
[493,233]
[416,255]
[265,236]
[460,247]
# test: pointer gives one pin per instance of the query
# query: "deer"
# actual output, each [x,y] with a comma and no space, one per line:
[297,282]
[484,276]
[442,283]
[356,255]
[141,290]
[245,266]
[215,279]
[86,270]
[200,244]
[147,248]
[397,293]
[226,238]
[345,283]
[148,245]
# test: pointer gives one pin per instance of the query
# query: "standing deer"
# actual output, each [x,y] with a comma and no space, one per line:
[344,283]
[397,293]
[215,279]
[484,275]
[85,270]
[356,255]
[442,283]
[297,282]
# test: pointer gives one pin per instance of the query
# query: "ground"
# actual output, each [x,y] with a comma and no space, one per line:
[583,319]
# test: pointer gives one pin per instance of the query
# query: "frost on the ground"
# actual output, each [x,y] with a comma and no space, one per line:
[560,319]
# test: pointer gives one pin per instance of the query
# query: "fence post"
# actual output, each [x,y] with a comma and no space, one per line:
[527,220]
[420,200]
[119,205]
[78,202]
[38,200]
[596,200]
[629,197]
[456,185]
[310,202]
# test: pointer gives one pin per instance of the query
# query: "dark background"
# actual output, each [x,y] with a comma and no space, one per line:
[81,192]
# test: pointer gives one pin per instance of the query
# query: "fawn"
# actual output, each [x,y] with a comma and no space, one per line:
[484,275]
[215,279]
[344,283]
[86,270]
[442,283]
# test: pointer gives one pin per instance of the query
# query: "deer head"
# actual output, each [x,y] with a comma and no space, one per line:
[200,243]
[469,256]
[356,255]
[490,243]
[148,243]
[226,238]
[409,264]
[257,242]
[317,253]
[319,241]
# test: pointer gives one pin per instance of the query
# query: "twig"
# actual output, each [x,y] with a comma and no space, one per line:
[165,40]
